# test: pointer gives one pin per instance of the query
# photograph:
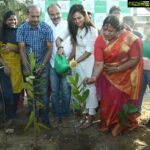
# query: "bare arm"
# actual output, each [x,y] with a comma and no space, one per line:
[72,54]
[58,42]
[48,54]
[15,49]
[83,56]
[97,69]
[12,48]
[23,57]
[129,64]
[133,61]
[40,70]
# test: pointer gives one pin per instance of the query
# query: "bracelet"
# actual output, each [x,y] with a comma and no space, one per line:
[60,47]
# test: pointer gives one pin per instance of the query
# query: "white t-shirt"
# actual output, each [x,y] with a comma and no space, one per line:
[62,31]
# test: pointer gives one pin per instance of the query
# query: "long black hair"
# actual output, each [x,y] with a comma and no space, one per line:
[4,26]
[72,27]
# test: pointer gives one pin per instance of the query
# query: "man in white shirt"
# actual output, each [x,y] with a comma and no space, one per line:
[59,85]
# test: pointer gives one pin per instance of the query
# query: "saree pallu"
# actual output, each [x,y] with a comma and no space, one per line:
[13,61]
[121,88]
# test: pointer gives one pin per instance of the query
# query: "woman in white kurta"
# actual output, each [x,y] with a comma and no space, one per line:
[84,35]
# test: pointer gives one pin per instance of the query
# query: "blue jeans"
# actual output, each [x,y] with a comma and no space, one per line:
[145,82]
[6,94]
[41,92]
[61,90]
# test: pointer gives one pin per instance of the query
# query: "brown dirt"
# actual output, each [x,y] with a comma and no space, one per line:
[72,138]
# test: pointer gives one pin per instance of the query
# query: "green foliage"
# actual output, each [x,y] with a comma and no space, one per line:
[32,63]
[33,96]
[18,6]
[126,111]
[30,120]
[79,92]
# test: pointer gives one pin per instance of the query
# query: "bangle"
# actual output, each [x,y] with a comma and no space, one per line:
[60,47]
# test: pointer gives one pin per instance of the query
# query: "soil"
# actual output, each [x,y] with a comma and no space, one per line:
[71,137]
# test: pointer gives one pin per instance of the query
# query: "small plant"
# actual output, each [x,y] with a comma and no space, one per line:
[79,93]
[126,111]
[33,99]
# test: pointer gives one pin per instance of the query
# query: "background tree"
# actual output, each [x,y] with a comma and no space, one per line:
[18,6]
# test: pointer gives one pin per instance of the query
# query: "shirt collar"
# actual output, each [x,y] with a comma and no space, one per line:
[37,27]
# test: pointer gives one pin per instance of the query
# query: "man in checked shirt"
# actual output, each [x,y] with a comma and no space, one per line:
[38,37]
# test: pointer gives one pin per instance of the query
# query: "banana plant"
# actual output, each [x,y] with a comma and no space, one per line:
[79,93]
[33,99]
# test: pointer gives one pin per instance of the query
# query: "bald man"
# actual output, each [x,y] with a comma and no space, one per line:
[37,37]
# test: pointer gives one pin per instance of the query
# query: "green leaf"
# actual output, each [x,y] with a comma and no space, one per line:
[125,108]
[75,91]
[43,126]
[85,95]
[40,93]
[131,106]
[27,86]
[78,97]
[131,111]
[40,85]
[75,105]
[72,81]
[30,121]
[81,86]
[36,128]
[30,93]
[123,119]
[32,61]
[77,78]
[40,105]
[82,89]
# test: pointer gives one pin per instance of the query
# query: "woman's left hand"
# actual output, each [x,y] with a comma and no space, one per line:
[111,69]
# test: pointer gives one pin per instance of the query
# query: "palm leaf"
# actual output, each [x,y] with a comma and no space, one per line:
[30,121]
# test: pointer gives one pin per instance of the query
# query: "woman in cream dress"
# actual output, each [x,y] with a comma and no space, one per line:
[84,35]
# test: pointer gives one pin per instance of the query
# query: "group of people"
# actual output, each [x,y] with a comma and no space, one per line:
[109,62]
